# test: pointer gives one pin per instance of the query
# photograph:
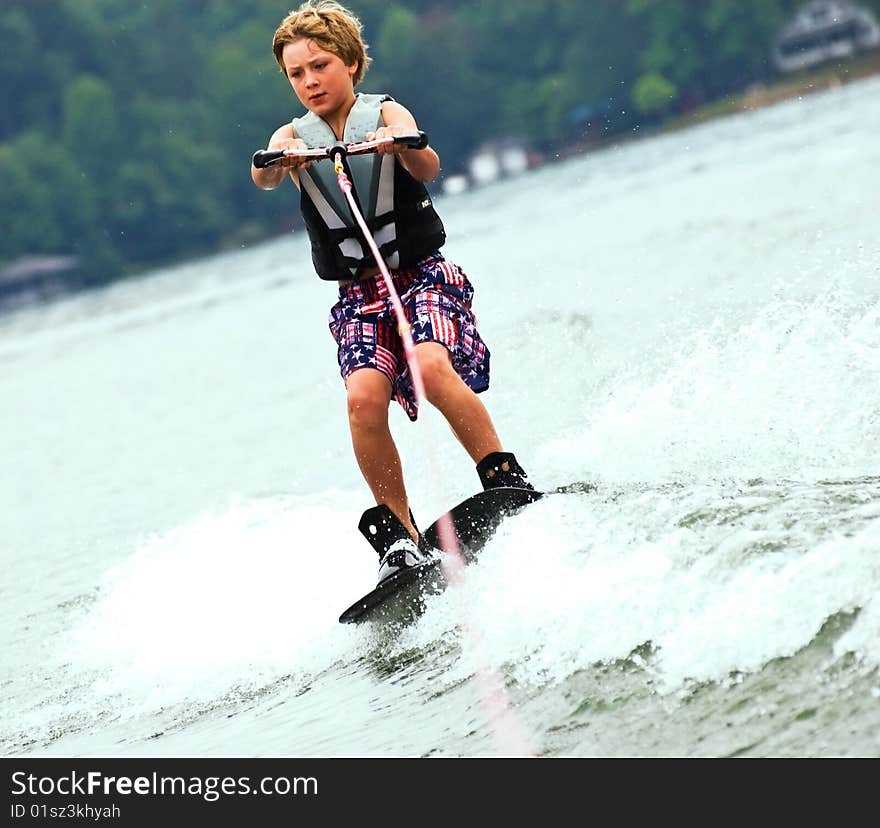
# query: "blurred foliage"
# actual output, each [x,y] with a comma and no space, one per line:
[127,128]
[653,93]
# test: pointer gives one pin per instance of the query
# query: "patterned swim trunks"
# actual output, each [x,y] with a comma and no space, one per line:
[436,297]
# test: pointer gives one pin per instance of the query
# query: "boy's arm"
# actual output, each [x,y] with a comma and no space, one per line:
[268,178]
[424,164]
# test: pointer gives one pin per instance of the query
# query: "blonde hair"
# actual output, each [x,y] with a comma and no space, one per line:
[331,26]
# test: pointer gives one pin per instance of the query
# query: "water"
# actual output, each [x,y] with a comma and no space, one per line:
[689,324]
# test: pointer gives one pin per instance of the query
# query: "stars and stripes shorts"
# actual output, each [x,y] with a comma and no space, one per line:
[436,297]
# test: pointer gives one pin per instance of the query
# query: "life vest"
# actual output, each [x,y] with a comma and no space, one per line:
[398,209]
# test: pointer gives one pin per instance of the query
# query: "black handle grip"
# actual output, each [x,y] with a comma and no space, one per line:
[266,158]
[417,141]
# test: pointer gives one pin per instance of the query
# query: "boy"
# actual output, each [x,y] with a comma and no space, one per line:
[321,52]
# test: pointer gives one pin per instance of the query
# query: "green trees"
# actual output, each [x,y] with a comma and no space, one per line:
[654,94]
[127,128]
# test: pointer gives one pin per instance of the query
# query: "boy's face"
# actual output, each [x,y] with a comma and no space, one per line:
[321,80]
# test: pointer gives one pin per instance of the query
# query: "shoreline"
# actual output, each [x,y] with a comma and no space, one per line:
[757,96]
[760,96]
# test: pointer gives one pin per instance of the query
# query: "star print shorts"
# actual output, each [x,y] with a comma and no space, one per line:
[436,297]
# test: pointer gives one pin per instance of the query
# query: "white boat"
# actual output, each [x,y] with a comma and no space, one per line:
[504,157]
[484,168]
[455,184]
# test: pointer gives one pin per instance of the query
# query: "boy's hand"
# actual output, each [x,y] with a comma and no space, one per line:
[389,132]
[291,145]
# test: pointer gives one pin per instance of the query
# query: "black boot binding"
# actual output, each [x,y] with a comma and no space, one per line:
[501,469]
[388,536]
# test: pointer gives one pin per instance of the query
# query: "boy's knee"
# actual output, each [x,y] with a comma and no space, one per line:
[366,407]
[436,367]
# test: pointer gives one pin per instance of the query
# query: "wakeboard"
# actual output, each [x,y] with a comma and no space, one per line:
[474,520]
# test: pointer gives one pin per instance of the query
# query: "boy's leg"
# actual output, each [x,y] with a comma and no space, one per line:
[462,408]
[369,395]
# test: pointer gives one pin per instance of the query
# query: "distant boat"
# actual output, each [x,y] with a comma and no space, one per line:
[484,167]
[504,157]
[455,184]
[825,30]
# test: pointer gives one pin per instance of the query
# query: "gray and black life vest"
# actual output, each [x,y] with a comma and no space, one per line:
[397,208]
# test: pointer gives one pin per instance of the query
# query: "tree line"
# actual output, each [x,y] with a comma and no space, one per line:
[127,128]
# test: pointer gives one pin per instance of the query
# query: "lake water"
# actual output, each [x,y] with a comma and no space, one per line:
[688,323]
